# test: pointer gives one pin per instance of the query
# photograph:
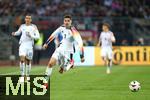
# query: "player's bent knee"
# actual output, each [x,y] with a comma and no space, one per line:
[109,60]
[52,62]
[22,59]
[104,58]
[28,61]
[50,65]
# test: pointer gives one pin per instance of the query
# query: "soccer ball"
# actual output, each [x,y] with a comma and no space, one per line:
[134,86]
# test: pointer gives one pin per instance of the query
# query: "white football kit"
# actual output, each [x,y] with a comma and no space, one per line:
[106,44]
[28,34]
[66,45]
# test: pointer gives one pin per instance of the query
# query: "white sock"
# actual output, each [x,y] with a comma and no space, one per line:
[28,69]
[48,71]
[22,68]
[110,63]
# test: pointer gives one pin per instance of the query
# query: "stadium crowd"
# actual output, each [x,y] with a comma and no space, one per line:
[86,10]
[92,8]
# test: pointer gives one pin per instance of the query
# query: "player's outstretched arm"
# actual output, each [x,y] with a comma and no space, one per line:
[48,41]
[18,32]
[79,41]
[45,46]
[51,37]
[13,33]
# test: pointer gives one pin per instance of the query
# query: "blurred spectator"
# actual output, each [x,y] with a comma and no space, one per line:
[17,21]
[90,42]
[140,42]
[108,3]
[86,12]
[4,23]
[131,8]
[125,42]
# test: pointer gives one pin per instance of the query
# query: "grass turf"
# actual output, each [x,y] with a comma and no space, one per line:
[92,83]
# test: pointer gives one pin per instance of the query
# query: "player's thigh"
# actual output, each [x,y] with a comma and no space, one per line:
[52,62]
[22,53]
[55,56]
[29,54]
[110,54]
[22,58]
[103,53]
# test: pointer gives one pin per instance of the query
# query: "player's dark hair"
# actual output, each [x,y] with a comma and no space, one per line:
[28,14]
[106,24]
[68,16]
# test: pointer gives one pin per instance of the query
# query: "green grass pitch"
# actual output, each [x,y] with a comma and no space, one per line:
[92,83]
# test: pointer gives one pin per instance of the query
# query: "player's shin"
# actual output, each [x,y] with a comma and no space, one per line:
[48,73]
[104,60]
[28,69]
[110,63]
[22,68]
[109,66]
[22,71]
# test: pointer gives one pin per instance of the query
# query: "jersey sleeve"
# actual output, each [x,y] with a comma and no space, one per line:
[35,34]
[79,41]
[53,35]
[18,32]
[113,37]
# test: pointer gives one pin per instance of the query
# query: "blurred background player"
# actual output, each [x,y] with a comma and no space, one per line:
[65,49]
[28,32]
[106,39]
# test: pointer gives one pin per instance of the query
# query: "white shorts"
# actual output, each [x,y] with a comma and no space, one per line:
[26,51]
[60,52]
[107,52]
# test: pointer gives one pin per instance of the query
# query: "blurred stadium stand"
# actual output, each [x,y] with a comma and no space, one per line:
[129,19]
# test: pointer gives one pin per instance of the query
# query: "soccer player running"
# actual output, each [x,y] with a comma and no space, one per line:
[65,49]
[28,32]
[61,59]
[106,39]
